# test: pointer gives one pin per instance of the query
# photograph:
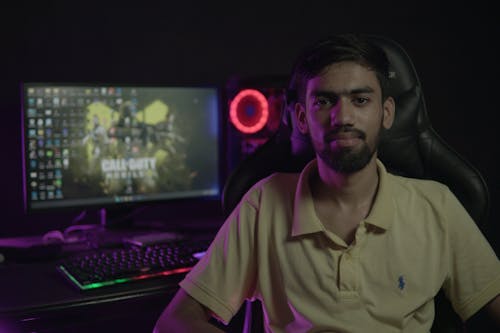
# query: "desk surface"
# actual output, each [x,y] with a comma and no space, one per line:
[34,296]
[33,287]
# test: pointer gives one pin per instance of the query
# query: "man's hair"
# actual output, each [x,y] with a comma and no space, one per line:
[348,47]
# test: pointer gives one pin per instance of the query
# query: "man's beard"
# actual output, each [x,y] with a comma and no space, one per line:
[348,159]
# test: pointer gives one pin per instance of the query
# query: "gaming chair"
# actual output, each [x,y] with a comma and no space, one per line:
[410,148]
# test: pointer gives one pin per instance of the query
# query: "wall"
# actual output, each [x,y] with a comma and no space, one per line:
[196,42]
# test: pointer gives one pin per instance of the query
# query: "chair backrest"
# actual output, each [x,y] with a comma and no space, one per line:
[410,148]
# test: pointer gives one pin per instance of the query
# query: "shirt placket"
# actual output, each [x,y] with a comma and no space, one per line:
[348,267]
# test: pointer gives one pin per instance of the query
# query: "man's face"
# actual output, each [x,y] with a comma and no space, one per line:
[344,114]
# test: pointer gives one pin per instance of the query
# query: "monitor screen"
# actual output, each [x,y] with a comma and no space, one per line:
[106,145]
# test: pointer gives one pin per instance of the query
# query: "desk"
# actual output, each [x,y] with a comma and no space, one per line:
[34,297]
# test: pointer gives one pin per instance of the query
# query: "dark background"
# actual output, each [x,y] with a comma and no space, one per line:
[453,46]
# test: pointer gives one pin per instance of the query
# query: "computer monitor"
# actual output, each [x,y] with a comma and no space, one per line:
[111,146]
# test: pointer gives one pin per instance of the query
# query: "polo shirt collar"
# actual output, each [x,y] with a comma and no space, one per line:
[305,220]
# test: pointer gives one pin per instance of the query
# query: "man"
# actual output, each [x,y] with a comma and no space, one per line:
[344,246]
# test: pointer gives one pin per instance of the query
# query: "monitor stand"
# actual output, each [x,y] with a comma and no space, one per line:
[114,218]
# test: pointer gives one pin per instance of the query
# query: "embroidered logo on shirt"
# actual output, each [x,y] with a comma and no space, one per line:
[401,282]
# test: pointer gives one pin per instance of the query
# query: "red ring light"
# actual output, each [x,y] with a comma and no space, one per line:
[249,111]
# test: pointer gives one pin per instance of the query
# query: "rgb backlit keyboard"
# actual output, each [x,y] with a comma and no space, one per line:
[101,268]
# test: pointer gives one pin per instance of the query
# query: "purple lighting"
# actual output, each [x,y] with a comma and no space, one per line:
[23,143]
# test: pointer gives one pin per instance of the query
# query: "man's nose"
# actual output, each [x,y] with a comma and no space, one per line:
[342,113]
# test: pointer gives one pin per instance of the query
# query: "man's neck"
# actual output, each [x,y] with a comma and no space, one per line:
[346,190]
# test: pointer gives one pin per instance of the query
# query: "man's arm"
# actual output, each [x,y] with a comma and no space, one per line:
[185,314]
[487,319]
[493,309]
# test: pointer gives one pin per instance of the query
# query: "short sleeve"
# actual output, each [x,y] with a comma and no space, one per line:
[474,269]
[226,275]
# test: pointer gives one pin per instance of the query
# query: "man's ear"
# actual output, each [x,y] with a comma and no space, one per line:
[301,121]
[389,109]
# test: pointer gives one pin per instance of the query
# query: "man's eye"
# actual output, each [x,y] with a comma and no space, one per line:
[324,101]
[360,100]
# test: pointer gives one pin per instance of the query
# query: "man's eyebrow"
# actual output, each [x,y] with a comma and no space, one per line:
[362,90]
[354,91]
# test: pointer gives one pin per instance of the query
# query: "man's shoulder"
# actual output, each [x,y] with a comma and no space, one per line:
[426,188]
[278,181]
[423,203]
[278,185]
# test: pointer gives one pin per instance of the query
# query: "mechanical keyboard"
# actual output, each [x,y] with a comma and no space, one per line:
[106,267]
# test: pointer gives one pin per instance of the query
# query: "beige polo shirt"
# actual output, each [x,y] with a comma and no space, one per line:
[416,239]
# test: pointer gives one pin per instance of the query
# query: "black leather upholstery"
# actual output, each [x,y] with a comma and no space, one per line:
[411,148]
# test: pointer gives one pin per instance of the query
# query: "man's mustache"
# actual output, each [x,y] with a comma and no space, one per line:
[338,131]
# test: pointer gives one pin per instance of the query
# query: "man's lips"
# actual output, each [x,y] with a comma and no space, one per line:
[345,135]
[345,138]
[346,142]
